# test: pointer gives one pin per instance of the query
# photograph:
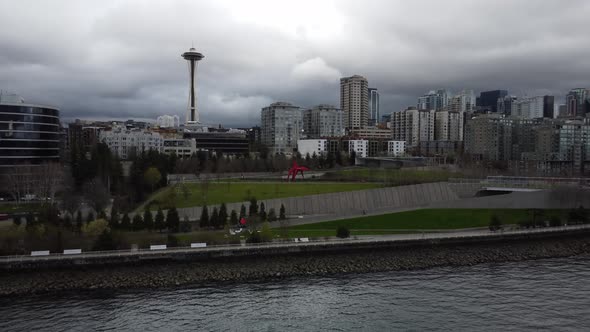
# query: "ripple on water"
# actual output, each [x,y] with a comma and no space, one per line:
[551,294]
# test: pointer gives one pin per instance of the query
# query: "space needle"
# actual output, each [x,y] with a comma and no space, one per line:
[192,57]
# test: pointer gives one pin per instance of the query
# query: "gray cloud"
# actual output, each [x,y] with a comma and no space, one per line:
[121,59]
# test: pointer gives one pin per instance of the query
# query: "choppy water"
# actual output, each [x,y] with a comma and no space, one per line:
[549,294]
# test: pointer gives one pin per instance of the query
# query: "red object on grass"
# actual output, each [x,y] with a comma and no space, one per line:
[243,221]
[296,169]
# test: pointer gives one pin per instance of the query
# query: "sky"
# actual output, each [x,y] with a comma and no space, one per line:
[122,59]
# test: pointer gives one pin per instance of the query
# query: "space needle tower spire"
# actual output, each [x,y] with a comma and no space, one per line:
[192,57]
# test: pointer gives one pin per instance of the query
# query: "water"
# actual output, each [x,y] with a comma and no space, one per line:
[551,294]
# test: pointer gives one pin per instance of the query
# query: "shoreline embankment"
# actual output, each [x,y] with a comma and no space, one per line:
[177,268]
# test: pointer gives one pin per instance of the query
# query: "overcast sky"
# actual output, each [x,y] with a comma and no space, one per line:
[121,59]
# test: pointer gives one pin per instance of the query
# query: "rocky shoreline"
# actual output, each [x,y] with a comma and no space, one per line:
[178,274]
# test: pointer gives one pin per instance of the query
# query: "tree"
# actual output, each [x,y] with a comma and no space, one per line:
[272,215]
[253,209]
[16,220]
[68,222]
[105,241]
[126,222]
[160,223]
[262,212]
[342,232]
[70,200]
[79,220]
[495,223]
[172,220]
[204,220]
[97,194]
[233,218]
[214,220]
[90,217]
[148,219]
[222,215]
[114,221]
[242,211]
[95,228]
[282,215]
[137,222]
[185,225]
[152,176]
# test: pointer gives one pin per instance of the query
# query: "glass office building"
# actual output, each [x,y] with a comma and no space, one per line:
[29,134]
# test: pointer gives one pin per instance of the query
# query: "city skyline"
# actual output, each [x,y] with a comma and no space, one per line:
[119,60]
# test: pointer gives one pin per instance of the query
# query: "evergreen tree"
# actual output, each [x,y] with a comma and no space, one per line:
[126,222]
[330,160]
[148,219]
[79,220]
[67,222]
[204,221]
[137,222]
[233,219]
[242,212]
[173,220]
[282,215]
[339,158]
[253,209]
[89,217]
[114,221]
[214,220]
[262,212]
[222,215]
[160,223]
[272,215]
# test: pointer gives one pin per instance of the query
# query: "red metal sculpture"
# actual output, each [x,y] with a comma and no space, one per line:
[296,169]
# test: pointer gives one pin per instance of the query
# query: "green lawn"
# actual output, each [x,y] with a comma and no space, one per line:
[392,177]
[228,192]
[14,208]
[427,219]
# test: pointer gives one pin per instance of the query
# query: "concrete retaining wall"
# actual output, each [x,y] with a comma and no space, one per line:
[352,202]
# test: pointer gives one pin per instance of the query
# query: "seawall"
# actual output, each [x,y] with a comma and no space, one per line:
[177,268]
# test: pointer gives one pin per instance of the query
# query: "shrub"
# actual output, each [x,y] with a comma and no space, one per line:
[254,237]
[16,220]
[137,222]
[172,241]
[105,241]
[160,222]
[555,221]
[266,232]
[148,219]
[272,215]
[95,228]
[233,219]
[185,225]
[126,222]
[342,232]
[204,220]
[495,223]
[282,215]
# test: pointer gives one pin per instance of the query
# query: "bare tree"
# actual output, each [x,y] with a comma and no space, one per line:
[48,179]
[18,181]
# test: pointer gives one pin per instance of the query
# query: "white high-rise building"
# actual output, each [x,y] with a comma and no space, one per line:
[448,126]
[281,127]
[463,101]
[360,147]
[168,121]
[413,125]
[396,148]
[310,146]
[126,142]
[528,108]
[354,101]
[323,121]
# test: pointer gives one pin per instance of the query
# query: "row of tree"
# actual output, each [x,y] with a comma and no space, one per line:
[256,213]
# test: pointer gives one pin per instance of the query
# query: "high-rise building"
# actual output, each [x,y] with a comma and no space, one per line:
[487,138]
[506,105]
[126,143]
[281,127]
[488,100]
[434,100]
[463,101]
[29,134]
[323,121]
[548,107]
[354,101]
[413,125]
[448,126]
[374,113]
[529,108]
[168,121]
[578,102]
[192,57]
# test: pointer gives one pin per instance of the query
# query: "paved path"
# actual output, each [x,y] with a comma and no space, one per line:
[369,239]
